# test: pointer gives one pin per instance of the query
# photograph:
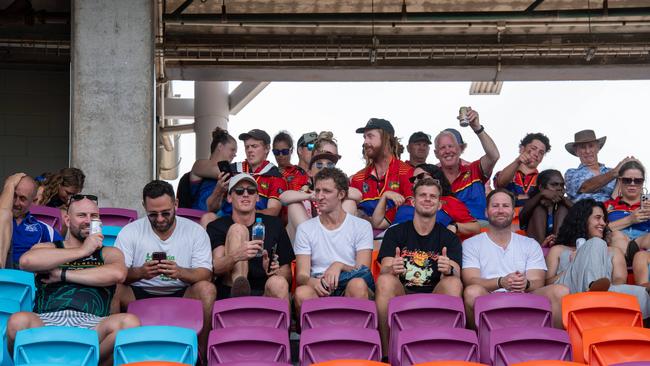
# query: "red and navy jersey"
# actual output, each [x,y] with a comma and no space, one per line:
[295,177]
[469,187]
[270,184]
[618,209]
[451,210]
[523,186]
[396,179]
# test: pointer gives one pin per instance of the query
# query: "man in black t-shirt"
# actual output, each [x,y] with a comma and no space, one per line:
[240,272]
[418,256]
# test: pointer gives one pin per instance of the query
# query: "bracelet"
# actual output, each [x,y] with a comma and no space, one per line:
[478,132]
[63,274]
[499,283]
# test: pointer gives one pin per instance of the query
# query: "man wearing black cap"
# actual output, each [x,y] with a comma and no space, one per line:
[418,148]
[384,172]
[305,146]
[257,145]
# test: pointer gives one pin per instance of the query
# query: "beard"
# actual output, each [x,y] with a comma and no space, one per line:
[164,226]
[494,221]
[372,152]
[78,232]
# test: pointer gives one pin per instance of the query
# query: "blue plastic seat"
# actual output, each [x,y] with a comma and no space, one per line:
[156,343]
[110,234]
[68,346]
[19,286]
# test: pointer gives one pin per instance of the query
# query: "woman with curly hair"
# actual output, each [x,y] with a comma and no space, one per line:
[56,189]
[583,261]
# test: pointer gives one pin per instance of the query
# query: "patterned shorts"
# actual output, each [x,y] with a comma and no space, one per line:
[71,318]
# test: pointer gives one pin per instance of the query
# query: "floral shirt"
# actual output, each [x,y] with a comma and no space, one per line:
[574,179]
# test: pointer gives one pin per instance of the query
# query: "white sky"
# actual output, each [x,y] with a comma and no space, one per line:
[616,109]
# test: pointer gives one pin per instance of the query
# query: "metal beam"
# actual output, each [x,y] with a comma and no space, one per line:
[181,8]
[534,5]
[244,93]
[179,108]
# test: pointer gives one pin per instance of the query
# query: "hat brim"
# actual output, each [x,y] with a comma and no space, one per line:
[324,156]
[571,146]
[246,136]
[421,139]
[361,130]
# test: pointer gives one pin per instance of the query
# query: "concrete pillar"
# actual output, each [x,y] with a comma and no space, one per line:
[112,108]
[211,109]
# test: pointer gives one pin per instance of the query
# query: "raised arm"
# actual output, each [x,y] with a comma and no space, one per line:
[489,160]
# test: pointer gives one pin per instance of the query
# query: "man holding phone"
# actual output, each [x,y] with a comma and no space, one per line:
[240,269]
[166,255]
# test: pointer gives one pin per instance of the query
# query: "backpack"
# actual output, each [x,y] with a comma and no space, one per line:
[184,192]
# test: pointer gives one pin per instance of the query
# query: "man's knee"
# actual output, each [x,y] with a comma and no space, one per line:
[387,285]
[471,292]
[207,218]
[123,321]
[238,230]
[303,293]
[203,290]
[556,292]
[277,286]
[357,287]
[20,321]
[450,285]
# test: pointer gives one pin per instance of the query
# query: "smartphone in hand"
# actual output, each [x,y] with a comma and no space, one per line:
[159,256]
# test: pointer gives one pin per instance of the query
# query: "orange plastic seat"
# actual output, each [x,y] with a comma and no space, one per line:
[612,345]
[293,277]
[350,363]
[154,363]
[588,310]
[548,363]
[375,267]
[450,363]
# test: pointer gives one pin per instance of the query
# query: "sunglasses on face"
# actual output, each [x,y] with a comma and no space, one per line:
[277,152]
[418,177]
[79,197]
[154,215]
[240,190]
[309,146]
[321,165]
[634,181]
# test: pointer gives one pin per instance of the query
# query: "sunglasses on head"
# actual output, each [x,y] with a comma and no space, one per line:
[634,181]
[79,197]
[240,190]
[321,165]
[418,177]
[277,152]
[154,215]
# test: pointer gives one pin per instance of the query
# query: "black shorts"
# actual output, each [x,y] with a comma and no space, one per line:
[141,293]
[223,291]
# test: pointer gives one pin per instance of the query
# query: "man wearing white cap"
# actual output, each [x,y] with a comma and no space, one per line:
[240,269]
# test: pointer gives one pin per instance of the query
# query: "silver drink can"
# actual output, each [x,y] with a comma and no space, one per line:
[95,226]
[462,116]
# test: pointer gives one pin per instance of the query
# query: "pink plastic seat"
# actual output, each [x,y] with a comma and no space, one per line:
[248,344]
[117,216]
[173,311]
[336,343]
[190,213]
[514,345]
[251,311]
[436,344]
[48,215]
[338,311]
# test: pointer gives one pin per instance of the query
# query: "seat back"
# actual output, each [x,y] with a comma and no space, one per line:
[48,215]
[171,311]
[56,345]
[338,311]
[111,216]
[512,345]
[110,234]
[154,363]
[436,344]
[19,286]
[190,213]
[156,343]
[588,310]
[330,343]
[248,344]
[250,311]
[548,363]
[611,345]
[450,363]
[507,310]
[350,363]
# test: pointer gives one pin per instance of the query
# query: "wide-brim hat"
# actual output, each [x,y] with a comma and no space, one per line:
[584,136]
[324,155]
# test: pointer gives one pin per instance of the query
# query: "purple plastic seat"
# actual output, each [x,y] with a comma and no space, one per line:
[117,216]
[423,311]
[338,311]
[435,344]
[248,344]
[338,343]
[48,215]
[190,213]
[513,345]
[251,311]
[255,363]
[174,311]
[507,310]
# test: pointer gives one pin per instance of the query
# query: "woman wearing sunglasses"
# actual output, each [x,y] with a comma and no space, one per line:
[629,214]
[453,213]
[295,175]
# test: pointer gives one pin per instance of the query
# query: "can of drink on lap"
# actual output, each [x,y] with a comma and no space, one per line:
[95,226]
[462,116]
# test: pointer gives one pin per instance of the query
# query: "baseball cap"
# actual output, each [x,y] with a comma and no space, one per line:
[324,155]
[420,136]
[459,137]
[238,178]
[377,123]
[307,138]
[257,135]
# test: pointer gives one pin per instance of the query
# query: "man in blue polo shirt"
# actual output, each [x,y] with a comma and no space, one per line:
[17,197]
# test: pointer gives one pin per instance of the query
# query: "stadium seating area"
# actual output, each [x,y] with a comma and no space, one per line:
[602,328]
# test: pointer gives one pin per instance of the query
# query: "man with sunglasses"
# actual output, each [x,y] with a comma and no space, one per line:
[305,145]
[238,265]
[384,171]
[75,281]
[20,230]
[166,255]
[419,246]
[418,148]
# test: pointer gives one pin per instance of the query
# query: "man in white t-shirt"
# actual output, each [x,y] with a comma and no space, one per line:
[334,250]
[166,255]
[500,260]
